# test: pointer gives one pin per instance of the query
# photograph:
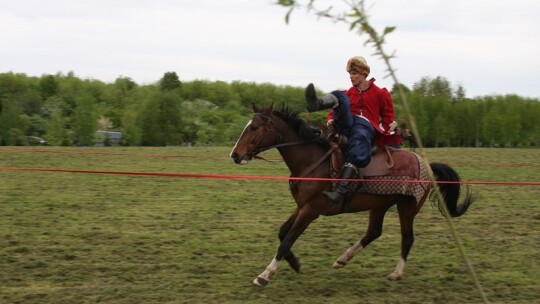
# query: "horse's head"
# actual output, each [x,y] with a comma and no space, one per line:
[259,135]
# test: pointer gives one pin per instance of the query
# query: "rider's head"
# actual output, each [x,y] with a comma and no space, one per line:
[358,64]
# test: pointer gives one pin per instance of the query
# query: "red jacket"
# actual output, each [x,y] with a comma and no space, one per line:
[377,106]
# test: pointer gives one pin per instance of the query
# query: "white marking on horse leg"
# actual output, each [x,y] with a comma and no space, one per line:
[265,276]
[348,255]
[398,271]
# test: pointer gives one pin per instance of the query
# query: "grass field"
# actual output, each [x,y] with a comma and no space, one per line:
[88,238]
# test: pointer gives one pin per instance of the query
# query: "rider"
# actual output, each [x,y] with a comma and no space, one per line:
[364,113]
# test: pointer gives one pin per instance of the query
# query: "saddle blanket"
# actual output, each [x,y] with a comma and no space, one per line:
[408,167]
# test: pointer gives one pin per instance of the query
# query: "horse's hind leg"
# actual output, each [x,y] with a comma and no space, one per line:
[376,218]
[407,211]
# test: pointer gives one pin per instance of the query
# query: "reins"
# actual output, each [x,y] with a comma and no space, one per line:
[308,170]
[256,151]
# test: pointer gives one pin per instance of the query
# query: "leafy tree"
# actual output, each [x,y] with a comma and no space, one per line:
[247,93]
[194,131]
[151,131]
[55,104]
[30,101]
[193,90]
[115,99]
[492,126]
[466,123]
[57,133]
[161,121]
[459,93]
[131,133]
[529,112]
[397,86]
[18,87]
[69,88]
[48,85]
[124,84]
[220,93]
[205,112]
[11,119]
[429,87]
[37,125]
[11,83]
[169,82]
[85,121]
[15,137]
[290,96]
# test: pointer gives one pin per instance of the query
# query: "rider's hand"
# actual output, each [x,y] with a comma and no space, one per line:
[330,125]
[393,127]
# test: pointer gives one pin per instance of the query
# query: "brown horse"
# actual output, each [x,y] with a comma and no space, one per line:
[305,153]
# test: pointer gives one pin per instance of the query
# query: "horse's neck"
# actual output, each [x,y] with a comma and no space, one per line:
[299,157]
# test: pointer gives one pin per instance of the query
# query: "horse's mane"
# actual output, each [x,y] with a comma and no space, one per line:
[300,126]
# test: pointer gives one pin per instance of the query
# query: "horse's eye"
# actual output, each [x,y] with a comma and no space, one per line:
[254,127]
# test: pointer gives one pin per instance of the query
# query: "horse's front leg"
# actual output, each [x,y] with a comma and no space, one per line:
[263,278]
[303,219]
[376,218]
[285,228]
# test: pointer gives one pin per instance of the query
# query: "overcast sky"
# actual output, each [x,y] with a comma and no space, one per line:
[486,46]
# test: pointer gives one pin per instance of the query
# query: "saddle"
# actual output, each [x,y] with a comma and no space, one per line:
[389,164]
[386,163]
[380,164]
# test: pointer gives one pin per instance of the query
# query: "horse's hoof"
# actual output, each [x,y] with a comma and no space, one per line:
[260,281]
[293,262]
[393,277]
[339,264]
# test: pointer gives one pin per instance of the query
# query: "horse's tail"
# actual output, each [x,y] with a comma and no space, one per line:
[450,191]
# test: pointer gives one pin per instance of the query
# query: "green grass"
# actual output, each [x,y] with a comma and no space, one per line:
[87,238]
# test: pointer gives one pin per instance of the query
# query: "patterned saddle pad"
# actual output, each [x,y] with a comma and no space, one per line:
[399,179]
[408,167]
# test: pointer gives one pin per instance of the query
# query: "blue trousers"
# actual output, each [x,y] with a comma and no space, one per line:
[358,130]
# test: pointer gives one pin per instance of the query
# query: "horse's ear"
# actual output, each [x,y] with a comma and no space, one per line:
[269,110]
[255,110]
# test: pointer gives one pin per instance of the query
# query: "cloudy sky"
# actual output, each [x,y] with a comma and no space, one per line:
[486,46]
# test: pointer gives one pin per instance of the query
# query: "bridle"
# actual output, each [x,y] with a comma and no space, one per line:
[268,123]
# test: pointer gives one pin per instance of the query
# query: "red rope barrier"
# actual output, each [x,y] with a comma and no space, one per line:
[100,153]
[254,177]
[22,150]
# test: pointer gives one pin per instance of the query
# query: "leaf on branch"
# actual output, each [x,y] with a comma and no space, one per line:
[353,25]
[389,29]
[286,2]
[324,14]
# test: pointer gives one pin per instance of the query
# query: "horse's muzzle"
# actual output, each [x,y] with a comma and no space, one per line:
[239,160]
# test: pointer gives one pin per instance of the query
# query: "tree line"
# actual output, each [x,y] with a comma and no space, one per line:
[67,110]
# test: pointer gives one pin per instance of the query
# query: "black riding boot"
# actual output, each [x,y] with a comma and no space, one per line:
[318,103]
[349,171]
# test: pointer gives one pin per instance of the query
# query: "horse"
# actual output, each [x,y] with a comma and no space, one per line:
[305,152]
